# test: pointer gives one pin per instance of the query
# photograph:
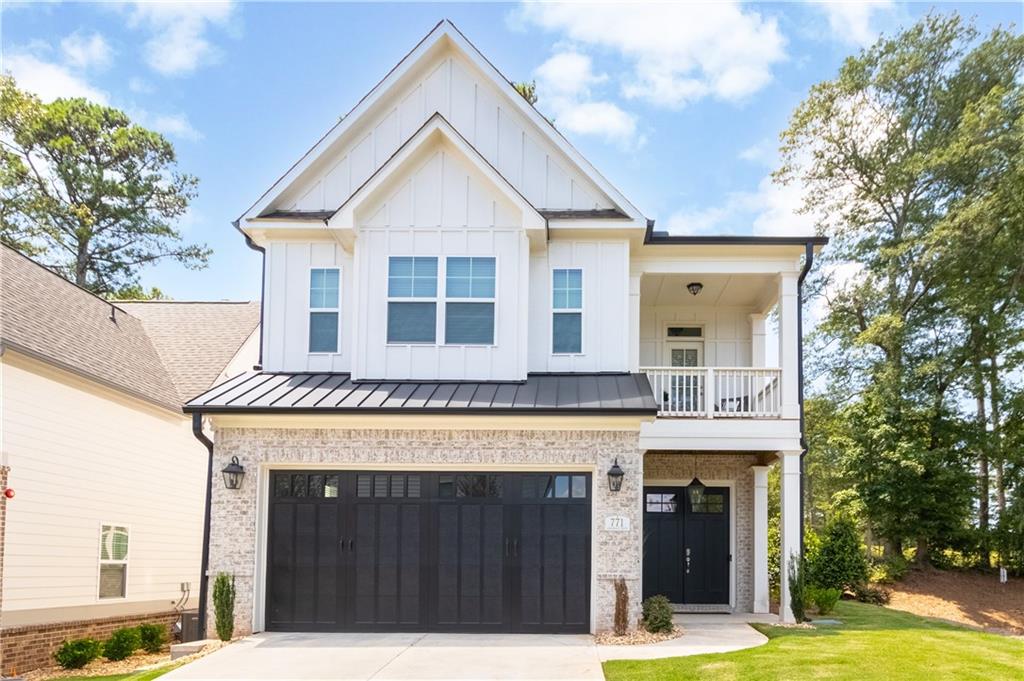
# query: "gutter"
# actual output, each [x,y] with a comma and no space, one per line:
[263,280]
[197,430]
[808,262]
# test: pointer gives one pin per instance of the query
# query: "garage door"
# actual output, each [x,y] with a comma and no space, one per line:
[428,551]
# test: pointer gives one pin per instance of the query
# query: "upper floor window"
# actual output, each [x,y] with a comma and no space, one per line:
[469,301]
[567,311]
[412,300]
[324,284]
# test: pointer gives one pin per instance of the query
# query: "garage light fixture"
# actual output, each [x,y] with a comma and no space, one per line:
[615,475]
[233,474]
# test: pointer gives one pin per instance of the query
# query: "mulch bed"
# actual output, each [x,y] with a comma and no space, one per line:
[968,597]
[140,661]
[638,637]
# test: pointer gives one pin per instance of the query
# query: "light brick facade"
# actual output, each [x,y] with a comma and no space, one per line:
[235,523]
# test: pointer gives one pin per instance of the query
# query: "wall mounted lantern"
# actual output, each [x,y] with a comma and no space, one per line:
[233,474]
[695,287]
[615,475]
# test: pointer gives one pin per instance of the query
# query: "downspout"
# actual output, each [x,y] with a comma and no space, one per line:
[263,280]
[808,261]
[197,430]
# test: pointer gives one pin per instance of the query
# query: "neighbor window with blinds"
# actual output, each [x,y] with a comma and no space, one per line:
[324,305]
[567,311]
[469,301]
[113,561]
[412,300]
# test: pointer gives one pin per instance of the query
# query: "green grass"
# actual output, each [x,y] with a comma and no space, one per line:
[147,675]
[872,643]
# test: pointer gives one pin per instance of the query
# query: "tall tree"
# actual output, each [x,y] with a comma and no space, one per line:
[92,194]
[890,153]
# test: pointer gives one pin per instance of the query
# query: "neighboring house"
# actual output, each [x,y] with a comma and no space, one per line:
[105,528]
[489,388]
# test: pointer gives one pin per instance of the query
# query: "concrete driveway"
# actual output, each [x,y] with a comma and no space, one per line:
[414,657]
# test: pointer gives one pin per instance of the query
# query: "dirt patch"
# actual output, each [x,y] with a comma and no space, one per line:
[637,637]
[965,597]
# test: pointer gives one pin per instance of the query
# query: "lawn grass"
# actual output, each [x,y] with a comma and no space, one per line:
[145,675]
[872,643]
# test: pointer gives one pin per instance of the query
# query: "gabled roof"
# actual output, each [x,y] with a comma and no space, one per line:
[435,127]
[540,394]
[443,31]
[46,317]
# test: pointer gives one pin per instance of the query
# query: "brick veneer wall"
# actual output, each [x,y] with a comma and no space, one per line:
[26,648]
[234,515]
[719,467]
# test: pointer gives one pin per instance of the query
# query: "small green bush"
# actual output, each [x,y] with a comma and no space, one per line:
[77,653]
[152,637]
[870,593]
[657,612]
[224,605]
[121,644]
[797,588]
[824,599]
[837,562]
[889,570]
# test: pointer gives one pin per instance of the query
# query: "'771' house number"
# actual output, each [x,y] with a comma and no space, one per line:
[616,523]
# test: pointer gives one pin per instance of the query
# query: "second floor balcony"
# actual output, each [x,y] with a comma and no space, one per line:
[716,392]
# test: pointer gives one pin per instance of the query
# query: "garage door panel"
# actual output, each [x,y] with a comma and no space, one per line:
[327,564]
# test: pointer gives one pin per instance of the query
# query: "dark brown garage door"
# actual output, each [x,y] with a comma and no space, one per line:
[428,551]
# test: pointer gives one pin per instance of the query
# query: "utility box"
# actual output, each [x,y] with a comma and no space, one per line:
[190,626]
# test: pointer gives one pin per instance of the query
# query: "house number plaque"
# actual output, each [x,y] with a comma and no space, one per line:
[616,523]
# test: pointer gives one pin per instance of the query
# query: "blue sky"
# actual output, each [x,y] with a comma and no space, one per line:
[679,106]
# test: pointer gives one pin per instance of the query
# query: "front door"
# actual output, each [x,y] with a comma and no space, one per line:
[686,544]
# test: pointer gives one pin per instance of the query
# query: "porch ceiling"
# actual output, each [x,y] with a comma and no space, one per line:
[736,290]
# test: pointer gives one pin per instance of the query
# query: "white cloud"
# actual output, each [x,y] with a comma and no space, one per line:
[853,22]
[764,152]
[565,85]
[173,125]
[678,52]
[139,85]
[83,52]
[179,43]
[48,80]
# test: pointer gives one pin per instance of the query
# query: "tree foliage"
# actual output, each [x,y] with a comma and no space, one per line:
[92,194]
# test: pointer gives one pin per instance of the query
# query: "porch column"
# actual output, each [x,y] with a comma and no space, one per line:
[789,524]
[757,340]
[789,344]
[760,538]
[633,328]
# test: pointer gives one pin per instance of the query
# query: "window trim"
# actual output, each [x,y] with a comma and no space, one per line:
[101,562]
[388,299]
[493,300]
[554,311]
[310,310]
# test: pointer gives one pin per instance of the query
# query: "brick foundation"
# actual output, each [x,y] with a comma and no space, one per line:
[23,649]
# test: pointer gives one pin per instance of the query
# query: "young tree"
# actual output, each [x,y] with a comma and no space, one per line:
[92,194]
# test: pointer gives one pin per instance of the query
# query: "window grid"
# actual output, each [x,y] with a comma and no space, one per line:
[324,309]
[567,311]
[469,300]
[412,298]
[113,563]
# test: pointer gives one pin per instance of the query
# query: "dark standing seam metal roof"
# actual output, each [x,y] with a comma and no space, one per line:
[291,393]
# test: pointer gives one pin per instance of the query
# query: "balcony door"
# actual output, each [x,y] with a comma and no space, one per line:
[686,391]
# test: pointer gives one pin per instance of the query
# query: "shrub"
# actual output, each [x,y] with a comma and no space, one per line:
[797,588]
[152,637]
[621,607]
[121,644]
[869,593]
[657,613]
[77,653]
[224,605]
[774,557]
[824,599]
[837,561]
[889,570]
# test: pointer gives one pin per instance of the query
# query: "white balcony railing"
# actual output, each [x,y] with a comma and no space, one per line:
[716,392]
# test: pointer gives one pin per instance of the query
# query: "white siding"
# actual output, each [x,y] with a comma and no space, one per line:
[479,111]
[605,265]
[727,337]
[81,456]
[286,309]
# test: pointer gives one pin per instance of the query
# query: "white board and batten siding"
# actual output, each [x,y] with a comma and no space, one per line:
[605,342]
[726,333]
[450,85]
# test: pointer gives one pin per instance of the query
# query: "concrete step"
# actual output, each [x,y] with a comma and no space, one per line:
[190,648]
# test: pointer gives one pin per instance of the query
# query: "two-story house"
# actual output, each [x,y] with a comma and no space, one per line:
[489,388]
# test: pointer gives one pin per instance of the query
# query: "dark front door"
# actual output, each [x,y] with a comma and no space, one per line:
[424,551]
[686,544]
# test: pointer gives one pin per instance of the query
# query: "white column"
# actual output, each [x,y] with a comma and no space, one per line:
[789,524]
[788,345]
[634,322]
[758,340]
[760,538]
